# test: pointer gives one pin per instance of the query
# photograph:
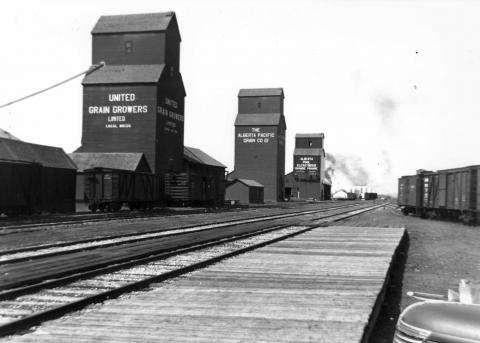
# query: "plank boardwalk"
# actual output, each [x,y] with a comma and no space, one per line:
[321,286]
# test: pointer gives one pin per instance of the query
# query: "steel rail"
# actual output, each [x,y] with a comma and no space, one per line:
[149,234]
[81,218]
[37,318]
[140,254]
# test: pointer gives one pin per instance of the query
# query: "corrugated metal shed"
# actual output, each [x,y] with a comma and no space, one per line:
[8,135]
[308,152]
[146,22]
[47,156]
[124,161]
[309,135]
[261,92]
[123,74]
[194,155]
[259,119]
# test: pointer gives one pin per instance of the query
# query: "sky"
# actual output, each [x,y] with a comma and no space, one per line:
[393,85]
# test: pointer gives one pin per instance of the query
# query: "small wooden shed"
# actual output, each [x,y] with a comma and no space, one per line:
[245,191]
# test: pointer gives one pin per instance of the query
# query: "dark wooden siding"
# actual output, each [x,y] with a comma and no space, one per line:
[21,185]
[409,193]
[307,190]
[140,137]
[58,189]
[303,142]
[256,195]
[307,167]
[260,161]
[169,126]
[238,191]
[198,184]
[281,164]
[29,187]
[172,55]
[265,104]
[129,48]
[80,195]
[304,189]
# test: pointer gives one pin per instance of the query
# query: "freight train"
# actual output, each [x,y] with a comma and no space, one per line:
[108,189]
[444,194]
[37,178]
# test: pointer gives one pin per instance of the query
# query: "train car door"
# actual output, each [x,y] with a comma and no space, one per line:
[442,191]
[107,186]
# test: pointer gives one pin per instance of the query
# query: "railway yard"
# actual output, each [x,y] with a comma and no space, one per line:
[177,248]
[299,272]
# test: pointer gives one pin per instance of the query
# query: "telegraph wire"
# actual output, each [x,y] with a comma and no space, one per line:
[88,71]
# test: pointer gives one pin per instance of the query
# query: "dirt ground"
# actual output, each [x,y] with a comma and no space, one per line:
[435,257]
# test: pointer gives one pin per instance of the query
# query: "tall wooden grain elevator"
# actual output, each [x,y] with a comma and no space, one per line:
[135,103]
[306,179]
[260,140]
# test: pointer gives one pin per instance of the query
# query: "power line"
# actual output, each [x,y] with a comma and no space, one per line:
[88,71]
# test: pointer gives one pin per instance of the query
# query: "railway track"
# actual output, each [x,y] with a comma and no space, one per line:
[43,250]
[24,225]
[22,307]
[63,236]
[28,225]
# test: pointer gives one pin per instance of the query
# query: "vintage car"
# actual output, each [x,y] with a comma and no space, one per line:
[439,321]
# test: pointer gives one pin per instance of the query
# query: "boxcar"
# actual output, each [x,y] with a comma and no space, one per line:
[351,196]
[449,193]
[408,195]
[370,196]
[195,188]
[202,181]
[109,189]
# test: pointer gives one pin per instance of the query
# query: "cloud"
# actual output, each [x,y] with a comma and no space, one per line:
[385,107]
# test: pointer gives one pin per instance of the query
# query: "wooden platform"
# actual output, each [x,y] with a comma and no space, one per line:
[321,286]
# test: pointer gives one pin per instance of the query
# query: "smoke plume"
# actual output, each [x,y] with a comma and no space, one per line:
[347,165]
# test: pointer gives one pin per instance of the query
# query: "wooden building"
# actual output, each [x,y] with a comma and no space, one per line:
[245,192]
[202,181]
[35,178]
[260,140]
[135,103]
[306,181]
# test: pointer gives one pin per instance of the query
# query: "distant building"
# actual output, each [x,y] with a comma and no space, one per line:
[260,140]
[202,181]
[360,191]
[245,192]
[307,178]
[340,195]
[47,183]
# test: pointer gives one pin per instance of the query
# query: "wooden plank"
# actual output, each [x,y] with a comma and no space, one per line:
[313,287]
